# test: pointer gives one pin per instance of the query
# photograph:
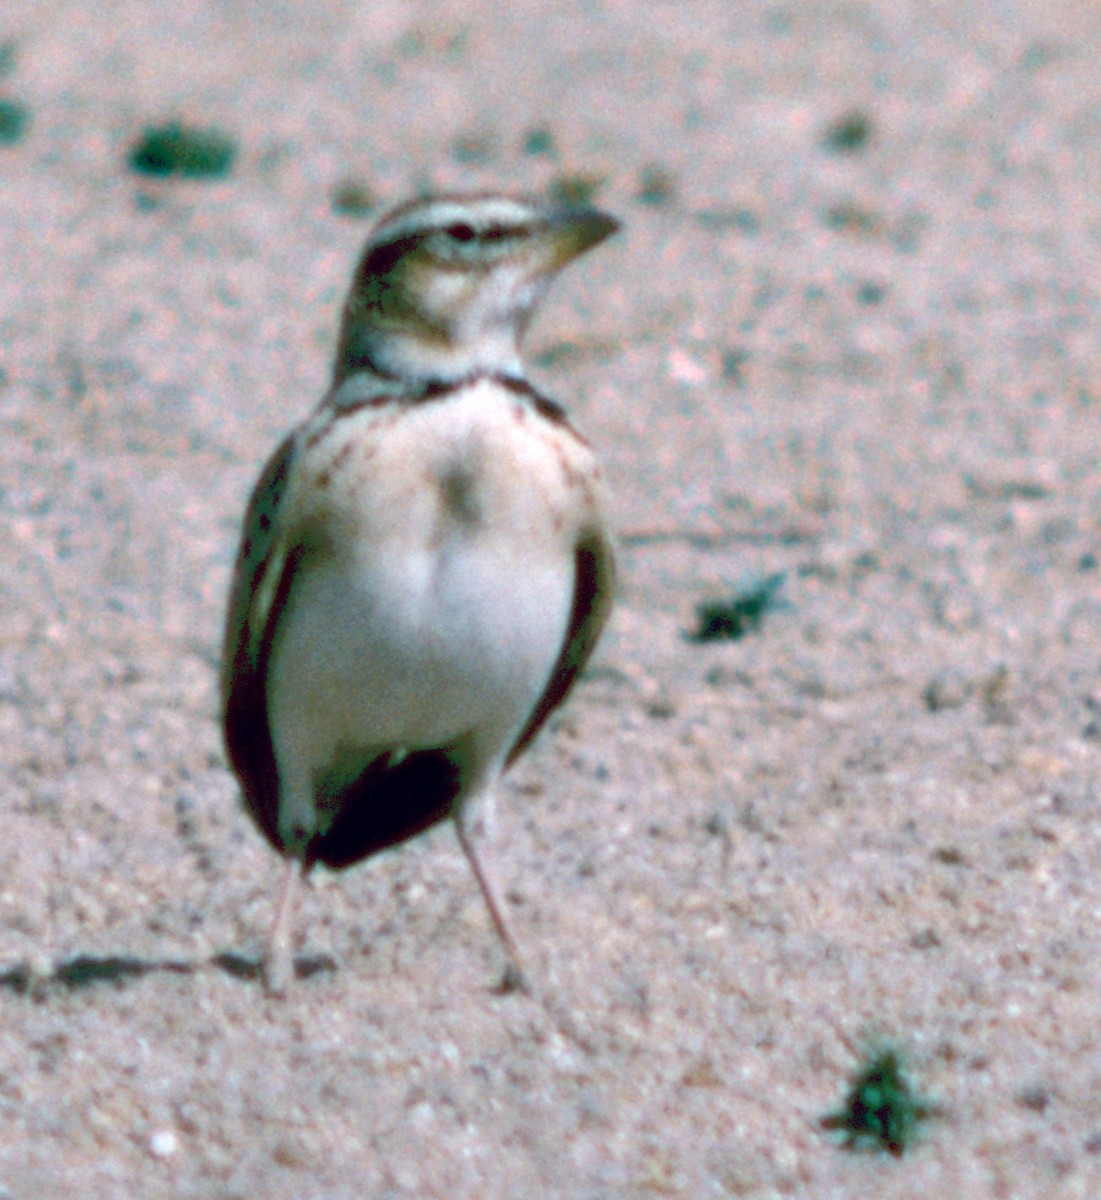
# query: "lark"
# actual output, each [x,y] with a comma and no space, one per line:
[425,566]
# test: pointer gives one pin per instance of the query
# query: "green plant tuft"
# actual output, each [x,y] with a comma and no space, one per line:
[539,141]
[739,614]
[176,149]
[14,120]
[881,1111]
[849,133]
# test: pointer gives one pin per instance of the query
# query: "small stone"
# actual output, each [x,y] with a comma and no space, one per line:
[164,1144]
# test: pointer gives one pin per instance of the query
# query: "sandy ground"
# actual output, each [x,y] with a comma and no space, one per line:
[736,863]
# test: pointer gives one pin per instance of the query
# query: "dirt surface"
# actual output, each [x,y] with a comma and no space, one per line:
[850,335]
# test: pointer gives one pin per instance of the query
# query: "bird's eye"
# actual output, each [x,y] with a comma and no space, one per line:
[461,232]
[496,233]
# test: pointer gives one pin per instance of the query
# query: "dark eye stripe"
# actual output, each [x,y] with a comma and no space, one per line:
[461,231]
[384,257]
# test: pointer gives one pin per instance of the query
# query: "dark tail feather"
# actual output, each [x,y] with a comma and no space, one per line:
[386,805]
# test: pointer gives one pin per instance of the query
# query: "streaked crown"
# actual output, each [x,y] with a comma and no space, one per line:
[446,286]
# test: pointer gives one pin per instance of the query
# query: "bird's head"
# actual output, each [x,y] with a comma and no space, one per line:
[445,287]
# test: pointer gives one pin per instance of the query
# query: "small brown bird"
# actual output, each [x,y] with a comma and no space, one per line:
[425,566]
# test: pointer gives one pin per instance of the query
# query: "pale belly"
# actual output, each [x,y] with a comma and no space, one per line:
[417,647]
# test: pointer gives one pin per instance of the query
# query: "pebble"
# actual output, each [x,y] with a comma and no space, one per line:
[163,1144]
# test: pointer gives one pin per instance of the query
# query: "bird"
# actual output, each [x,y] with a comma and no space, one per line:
[425,565]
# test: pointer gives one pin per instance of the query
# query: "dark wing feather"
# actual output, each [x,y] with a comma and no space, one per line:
[260,585]
[594,583]
[385,804]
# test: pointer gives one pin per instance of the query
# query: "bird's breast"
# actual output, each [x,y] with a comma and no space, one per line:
[437,590]
[477,462]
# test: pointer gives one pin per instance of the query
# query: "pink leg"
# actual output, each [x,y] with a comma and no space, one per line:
[278,966]
[514,975]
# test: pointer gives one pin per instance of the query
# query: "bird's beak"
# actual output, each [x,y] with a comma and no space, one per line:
[572,231]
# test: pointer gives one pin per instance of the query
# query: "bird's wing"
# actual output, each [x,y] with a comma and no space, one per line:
[594,584]
[260,581]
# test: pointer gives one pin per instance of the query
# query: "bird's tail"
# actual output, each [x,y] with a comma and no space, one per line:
[384,804]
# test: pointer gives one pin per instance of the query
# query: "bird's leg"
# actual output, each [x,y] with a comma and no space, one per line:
[513,980]
[278,965]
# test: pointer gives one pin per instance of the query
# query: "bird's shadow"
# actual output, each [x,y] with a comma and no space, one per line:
[241,966]
[84,971]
